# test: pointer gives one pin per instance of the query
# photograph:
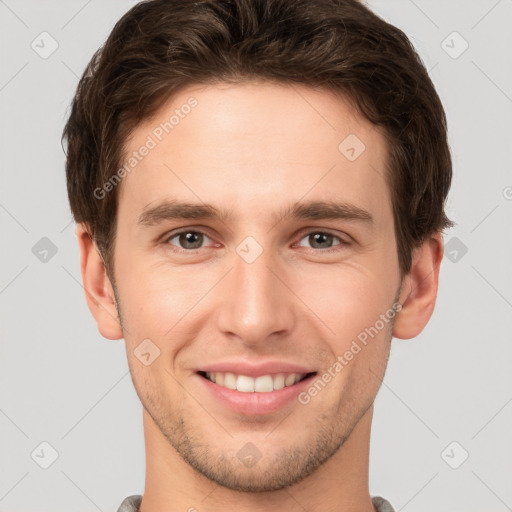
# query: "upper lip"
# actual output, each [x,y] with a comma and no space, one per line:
[255,369]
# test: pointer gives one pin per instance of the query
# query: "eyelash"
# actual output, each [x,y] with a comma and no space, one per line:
[337,247]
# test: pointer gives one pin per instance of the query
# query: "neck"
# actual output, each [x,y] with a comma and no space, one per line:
[341,483]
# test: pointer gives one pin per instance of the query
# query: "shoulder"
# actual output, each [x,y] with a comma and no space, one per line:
[381,504]
[130,504]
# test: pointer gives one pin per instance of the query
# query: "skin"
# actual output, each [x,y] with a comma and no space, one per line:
[254,148]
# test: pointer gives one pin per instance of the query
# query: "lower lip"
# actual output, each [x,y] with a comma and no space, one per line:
[256,403]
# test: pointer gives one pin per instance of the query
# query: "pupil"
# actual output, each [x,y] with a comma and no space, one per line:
[321,238]
[188,238]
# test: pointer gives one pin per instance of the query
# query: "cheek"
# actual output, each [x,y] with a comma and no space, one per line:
[346,298]
[161,300]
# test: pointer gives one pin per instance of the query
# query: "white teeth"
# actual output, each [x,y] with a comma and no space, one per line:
[261,384]
[245,384]
[229,380]
[289,380]
[279,381]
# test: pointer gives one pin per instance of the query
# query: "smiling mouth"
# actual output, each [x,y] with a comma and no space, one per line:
[261,384]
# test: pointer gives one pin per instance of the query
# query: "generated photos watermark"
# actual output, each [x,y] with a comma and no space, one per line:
[343,360]
[152,140]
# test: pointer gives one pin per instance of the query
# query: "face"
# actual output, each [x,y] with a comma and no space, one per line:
[291,262]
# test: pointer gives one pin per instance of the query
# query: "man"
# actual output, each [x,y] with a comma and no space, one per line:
[259,189]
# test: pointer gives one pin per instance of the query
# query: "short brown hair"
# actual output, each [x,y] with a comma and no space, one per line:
[161,46]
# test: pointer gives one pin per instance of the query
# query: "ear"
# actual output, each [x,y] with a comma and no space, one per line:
[98,289]
[419,289]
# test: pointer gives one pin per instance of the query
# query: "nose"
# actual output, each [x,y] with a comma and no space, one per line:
[258,304]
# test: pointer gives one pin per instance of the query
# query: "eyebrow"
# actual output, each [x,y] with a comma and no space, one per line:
[311,210]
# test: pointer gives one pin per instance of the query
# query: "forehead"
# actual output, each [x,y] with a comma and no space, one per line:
[250,146]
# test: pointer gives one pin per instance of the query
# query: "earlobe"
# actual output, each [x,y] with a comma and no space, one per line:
[419,289]
[98,289]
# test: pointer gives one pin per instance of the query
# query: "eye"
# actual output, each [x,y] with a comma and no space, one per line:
[188,239]
[322,240]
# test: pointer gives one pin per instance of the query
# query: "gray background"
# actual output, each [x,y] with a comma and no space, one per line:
[65,385]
